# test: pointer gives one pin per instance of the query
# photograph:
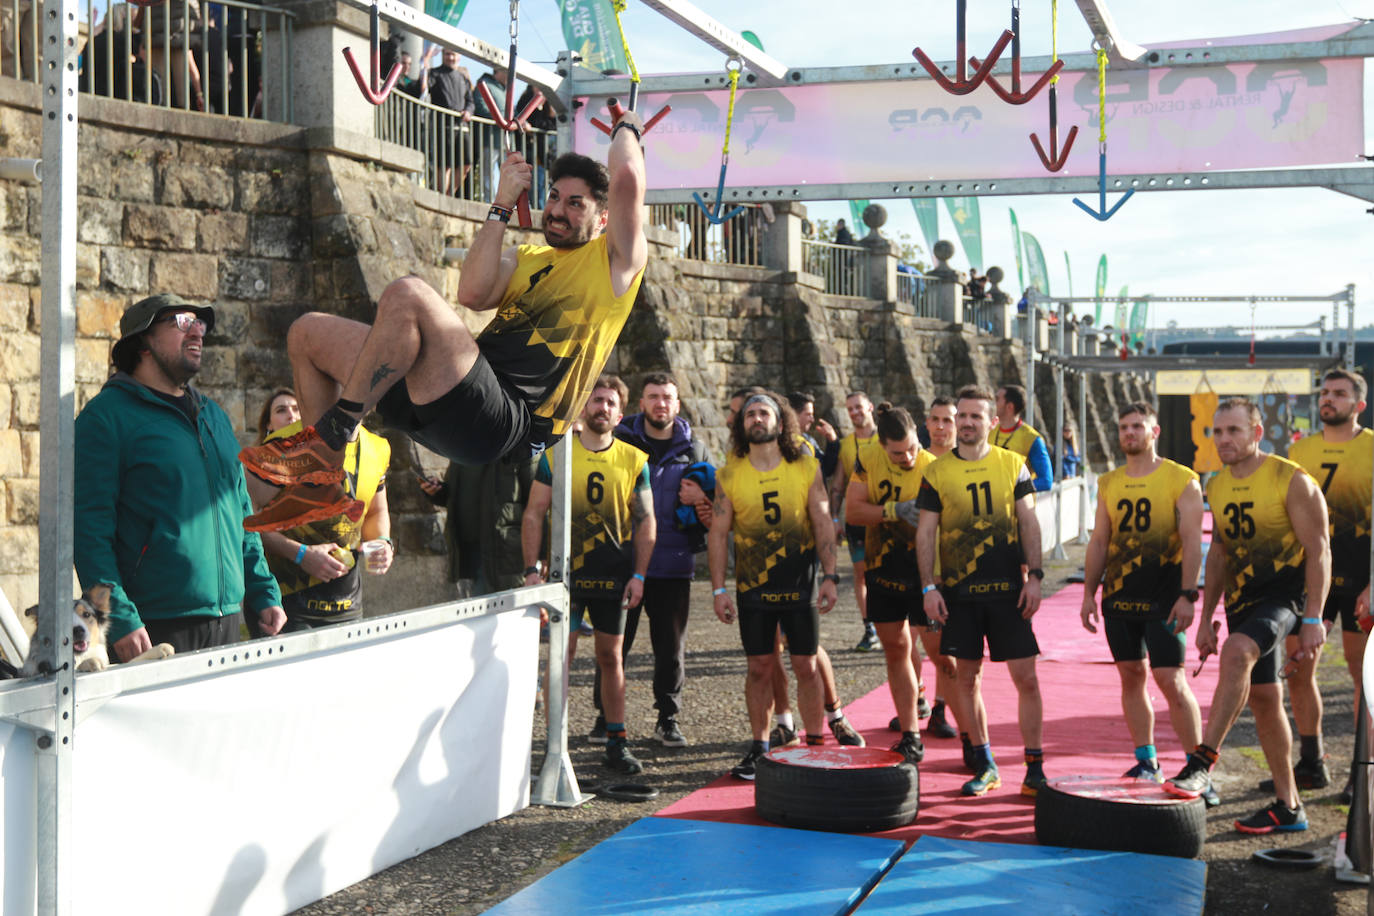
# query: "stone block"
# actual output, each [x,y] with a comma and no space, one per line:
[87,266]
[92,359]
[277,237]
[201,154]
[231,325]
[263,367]
[194,277]
[244,278]
[278,191]
[98,313]
[20,259]
[22,499]
[124,269]
[11,454]
[6,406]
[218,367]
[132,177]
[231,400]
[393,241]
[333,236]
[99,222]
[270,323]
[19,357]
[291,281]
[29,440]
[223,233]
[25,396]
[165,228]
[16,302]
[14,207]
[203,187]
[18,554]
[84,393]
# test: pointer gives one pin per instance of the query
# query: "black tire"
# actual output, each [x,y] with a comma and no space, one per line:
[842,790]
[1123,815]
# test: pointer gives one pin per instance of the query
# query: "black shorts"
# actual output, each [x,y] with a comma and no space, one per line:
[1000,623]
[607,614]
[1267,624]
[801,624]
[1130,641]
[889,607]
[1342,606]
[855,535]
[481,419]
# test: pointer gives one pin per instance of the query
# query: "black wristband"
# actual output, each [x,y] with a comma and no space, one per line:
[1189,593]
[1037,572]
[628,126]
[500,213]
[532,570]
[830,577]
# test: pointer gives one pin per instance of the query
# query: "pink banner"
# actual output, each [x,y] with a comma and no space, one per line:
[1272,114]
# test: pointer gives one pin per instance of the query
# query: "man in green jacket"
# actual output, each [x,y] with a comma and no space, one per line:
[160,496]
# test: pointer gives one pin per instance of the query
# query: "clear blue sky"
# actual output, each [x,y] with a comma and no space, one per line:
[1182,242]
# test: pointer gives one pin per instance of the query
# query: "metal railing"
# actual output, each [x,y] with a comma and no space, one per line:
[735,241]
[462,156]
[842,267]
[918,291]
[235,61]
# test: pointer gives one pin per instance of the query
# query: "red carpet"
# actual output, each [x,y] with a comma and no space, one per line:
[1084,733]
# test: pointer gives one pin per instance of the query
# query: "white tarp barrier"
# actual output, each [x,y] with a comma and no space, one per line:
[261,790]
[1072,491]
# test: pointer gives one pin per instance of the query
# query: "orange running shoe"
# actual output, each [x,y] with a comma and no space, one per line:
[298,504]
[302,458]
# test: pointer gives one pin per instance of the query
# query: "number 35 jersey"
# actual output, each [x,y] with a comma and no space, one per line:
[775,547]
[980,542]
[1264,561]
[1144,572]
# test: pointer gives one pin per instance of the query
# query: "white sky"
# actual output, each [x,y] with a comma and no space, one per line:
[1297,241]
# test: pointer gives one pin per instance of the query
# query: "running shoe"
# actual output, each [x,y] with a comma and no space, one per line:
[845,733]
[984,782]
[1348,793]
[598,733]
[668,734]
[299,504]
[1278,817]
[869,642]
[1191,781]
[910,747]
[619,758]
[1143,772]
[895,725]
[922,707]
[746,767]
[938,726]
[1308,774]
[1033,783]
[782,736]
[302,458]
[1209,795]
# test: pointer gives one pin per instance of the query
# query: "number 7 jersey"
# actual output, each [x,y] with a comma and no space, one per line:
[1264,560]
[1144,571]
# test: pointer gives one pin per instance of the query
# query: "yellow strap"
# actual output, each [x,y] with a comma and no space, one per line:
[730,114]
[1054,38]
[619,6]
[1101,96]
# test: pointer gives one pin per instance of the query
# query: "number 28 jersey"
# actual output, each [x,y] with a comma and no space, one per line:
[775,547]
[980,541]
[1144,571]
[1264,560]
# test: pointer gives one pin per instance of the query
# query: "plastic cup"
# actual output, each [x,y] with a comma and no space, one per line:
[373,551]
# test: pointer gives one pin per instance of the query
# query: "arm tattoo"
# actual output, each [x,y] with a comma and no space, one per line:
[826,551]
[381,373]
[639,507]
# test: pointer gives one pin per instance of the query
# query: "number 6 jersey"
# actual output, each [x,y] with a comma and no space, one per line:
[775,548]
[1264,561]
[1144,572]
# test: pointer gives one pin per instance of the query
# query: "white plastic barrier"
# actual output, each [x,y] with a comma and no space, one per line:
[260,789]
[1065,500]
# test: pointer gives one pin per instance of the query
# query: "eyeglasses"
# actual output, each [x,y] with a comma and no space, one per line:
[185,321]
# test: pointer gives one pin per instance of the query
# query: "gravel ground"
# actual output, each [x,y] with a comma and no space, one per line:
[474,872]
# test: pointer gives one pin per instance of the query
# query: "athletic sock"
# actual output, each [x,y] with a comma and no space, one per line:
[983,754]
[813,740]
[1035,761]
[831,707]
[1206,755]
[783,719]
[336,427]
[1310,747]
[968,745]
[832,714]
[1146,754]
[615,731]
[759,747]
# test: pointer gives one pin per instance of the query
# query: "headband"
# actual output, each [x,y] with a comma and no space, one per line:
[764,399]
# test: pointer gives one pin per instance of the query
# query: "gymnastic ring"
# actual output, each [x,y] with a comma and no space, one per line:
[628,792]
[1287,859]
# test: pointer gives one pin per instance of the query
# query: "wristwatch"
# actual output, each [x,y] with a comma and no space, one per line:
[1189,593]
[532,570]
[1037,572]
[830,577]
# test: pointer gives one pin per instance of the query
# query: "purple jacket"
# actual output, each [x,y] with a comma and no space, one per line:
[672,557]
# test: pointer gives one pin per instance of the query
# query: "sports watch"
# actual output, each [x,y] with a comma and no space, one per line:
[1189,593]
[1037,572]
[830,577]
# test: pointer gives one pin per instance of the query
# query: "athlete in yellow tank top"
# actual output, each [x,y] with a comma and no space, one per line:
[1144,564]
[513,388]
[860,409]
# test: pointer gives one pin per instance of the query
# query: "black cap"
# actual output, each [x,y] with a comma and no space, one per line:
[140,316]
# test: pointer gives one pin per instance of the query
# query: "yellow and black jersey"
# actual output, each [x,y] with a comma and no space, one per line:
[1019,439]
[775,547]
[556,325]
[365,462]
[890,547]
[980,541]
[1144,572]
[1264,561]
[853,447]
[1343,471]
[603,487]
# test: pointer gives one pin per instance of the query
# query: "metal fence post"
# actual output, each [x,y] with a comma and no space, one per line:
[1058,437]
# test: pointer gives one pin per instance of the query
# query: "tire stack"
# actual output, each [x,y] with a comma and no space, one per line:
[838,789]
[1119,814]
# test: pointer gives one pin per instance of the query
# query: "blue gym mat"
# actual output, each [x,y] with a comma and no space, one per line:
[669,867]
[958,876]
